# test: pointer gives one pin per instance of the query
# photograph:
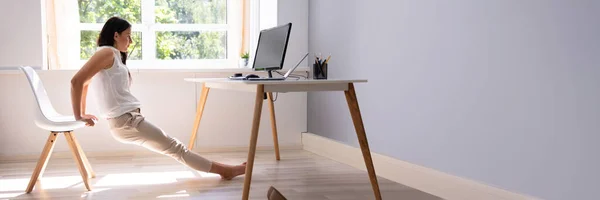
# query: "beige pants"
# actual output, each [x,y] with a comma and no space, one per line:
[132,128]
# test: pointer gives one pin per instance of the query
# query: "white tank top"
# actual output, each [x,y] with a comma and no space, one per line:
[111,88]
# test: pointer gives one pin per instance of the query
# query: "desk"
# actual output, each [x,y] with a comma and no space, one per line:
[261,87]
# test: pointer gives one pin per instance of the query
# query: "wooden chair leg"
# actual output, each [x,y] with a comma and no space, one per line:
[273,125]
[86,162]
[42,162]
[199,111]
[362,137]
[78,159]
[253,138]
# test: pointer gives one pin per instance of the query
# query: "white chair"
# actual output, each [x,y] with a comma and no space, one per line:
[47,118]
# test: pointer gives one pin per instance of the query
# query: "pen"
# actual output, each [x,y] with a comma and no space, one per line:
[317,65]
[327,60]
[317,60]
[321,67]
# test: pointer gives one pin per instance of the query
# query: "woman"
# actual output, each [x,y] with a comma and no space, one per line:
[110,79]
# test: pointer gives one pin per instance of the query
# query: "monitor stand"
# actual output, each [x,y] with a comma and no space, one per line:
[270,73]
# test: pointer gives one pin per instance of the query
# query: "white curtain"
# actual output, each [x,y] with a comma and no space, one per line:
[62,18]
[245,27]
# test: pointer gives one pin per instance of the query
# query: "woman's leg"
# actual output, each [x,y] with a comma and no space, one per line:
[133,128]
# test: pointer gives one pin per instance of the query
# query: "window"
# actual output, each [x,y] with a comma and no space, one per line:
[168,33]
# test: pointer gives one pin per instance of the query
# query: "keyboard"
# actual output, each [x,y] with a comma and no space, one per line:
[243,78]
[266,79]
[237,78]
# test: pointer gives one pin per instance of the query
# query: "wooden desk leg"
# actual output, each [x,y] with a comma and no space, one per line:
[252,151]
[362,137]
[199,111]
[273,125]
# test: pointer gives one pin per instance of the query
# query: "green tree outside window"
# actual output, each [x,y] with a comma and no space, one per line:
[170,45]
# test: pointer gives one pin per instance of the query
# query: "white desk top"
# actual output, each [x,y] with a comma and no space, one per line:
[276,82]
[278,85]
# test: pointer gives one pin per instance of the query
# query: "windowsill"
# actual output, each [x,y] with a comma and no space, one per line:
[15,70]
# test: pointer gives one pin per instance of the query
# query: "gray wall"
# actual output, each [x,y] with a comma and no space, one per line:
[501,92]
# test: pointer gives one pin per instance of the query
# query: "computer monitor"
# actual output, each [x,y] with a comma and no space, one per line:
[271,48]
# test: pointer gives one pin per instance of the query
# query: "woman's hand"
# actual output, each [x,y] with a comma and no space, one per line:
[88,119]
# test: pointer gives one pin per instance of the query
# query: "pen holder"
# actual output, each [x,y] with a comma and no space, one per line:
[320,71]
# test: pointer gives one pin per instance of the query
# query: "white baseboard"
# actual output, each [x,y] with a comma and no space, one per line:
[428,180]
[140,152]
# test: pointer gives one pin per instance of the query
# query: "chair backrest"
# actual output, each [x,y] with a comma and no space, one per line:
[45,108]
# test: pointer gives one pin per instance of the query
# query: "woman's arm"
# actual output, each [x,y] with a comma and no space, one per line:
[84,98]
[80,81]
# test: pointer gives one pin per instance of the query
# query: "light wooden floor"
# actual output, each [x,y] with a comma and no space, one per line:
[299,175]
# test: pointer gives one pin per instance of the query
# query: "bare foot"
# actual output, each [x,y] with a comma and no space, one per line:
[231,172]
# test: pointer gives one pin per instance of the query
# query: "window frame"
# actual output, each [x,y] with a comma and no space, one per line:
[149,28]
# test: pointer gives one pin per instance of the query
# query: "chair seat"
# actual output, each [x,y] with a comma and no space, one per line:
[60,123]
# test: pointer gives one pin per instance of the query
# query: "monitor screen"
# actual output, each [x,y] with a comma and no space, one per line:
[271,48]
